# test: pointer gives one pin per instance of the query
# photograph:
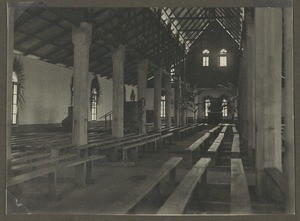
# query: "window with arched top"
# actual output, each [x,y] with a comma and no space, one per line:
[207,105]
[14,98]
[223,58]
[205,54]
[163,106]
[94,104]
[225,108]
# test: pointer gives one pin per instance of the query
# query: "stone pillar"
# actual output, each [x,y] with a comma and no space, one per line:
[250,87]
[168,100]
[118,58]
[268,50]
[8,81]
[142,89]
[288,161]
[157,100]
[81,38]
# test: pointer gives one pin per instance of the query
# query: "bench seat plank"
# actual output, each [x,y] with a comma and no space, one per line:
[240,199]
[131,199]
[29,158]
[198,142]
[177,202]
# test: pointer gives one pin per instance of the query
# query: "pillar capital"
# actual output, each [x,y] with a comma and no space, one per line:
[82,34]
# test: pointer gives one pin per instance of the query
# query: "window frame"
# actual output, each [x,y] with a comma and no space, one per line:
[205,58]
[223,58]
[94,105]
[163,107]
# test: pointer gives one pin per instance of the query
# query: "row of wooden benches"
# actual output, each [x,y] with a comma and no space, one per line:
[177,202]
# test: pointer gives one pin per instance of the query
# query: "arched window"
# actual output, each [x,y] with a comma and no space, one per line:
[223,58]
[94,97]
[224,108]
[14,98]
[163,106]
[207,105]
[205,54]
[94,104]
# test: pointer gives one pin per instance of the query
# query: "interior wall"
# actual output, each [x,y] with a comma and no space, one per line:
[150,100]
[215,93]
[47,93]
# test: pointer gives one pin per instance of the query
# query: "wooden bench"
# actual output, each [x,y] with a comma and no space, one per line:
[186,130]
[83,172]
[276,184]
[198,145]
[136,144]
[224,129]
[214,132]
[240,200]
[43,162]
[177,202]
[214,150]
[234,129]
[130,200]
[29,158]
[235,148]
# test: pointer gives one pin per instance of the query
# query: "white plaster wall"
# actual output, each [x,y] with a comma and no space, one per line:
[47,93]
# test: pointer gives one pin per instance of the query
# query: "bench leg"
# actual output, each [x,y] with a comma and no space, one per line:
[157,189]
[52,181]
[124,156]
[191,158]
[204,177]
[89,171]
[80,174]
[172,176]
[136,154]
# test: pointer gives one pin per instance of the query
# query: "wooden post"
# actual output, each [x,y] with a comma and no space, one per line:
[157,100]
[288,161]
[81,37]
[118,58]
[8,92]
[268,62]
[142,88]
[168,100]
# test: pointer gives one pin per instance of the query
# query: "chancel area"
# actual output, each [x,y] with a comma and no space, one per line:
[150,110]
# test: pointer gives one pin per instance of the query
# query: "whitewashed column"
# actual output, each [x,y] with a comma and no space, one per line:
[157,100]
[142,89]
[118,58]
[81,38]
[168,100]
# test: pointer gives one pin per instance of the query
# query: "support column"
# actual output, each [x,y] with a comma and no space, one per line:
[268,50]
[177,102]
[81,38]
[168,100]
[8,92]
[250,89]
[142,88]
[157,100]
[118,58]
[183,104]
[288,161]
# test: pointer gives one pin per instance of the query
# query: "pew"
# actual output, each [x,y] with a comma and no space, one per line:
[178,200]
[240,200]
[186,130]
[130,200]
[214,150]
[43,162]
[82,170]
[235,148]
[141,142]
[201,143]
[224,129]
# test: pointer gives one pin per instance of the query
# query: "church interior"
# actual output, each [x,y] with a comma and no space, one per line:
[150,110]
